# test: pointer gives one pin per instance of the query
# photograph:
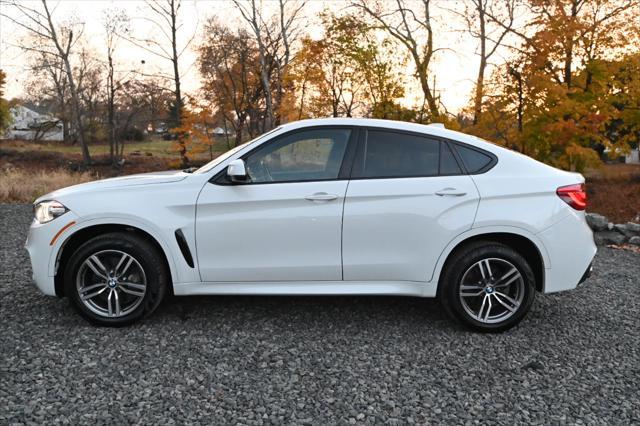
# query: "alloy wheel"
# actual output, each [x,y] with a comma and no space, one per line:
[111,283]
[491,290]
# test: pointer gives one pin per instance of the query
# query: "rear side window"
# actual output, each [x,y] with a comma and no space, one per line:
[390,154]
[474,160]
[448,163]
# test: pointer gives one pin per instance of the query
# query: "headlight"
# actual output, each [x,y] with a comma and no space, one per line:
[46,211]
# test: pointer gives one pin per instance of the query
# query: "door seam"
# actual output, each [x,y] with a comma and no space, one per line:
[344,202]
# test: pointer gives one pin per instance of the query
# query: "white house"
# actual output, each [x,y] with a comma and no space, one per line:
[31,125]
[633,157]
[219,131]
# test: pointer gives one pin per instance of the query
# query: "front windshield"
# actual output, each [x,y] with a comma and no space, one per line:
[210,165]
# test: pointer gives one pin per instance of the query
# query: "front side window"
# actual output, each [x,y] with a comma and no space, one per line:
[207,167]
[390,154]
[314,154]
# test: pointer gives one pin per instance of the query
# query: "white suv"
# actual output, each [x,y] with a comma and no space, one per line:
[317,207]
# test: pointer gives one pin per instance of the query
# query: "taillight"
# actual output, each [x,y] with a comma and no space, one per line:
[574,195]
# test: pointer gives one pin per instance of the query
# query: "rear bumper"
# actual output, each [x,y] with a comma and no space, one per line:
[586,274]
[571,250]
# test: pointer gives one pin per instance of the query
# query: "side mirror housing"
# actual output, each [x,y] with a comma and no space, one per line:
[237,171]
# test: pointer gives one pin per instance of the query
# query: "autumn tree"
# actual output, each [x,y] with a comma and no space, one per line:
[558,87]
[114,24]
[229,64]
[375,64]
[274,36]
[5,117]
[141,103]
[55,43]
[47,87]
[489,22]
[623,94]
[352,69]
[167,43]
[90,78]
[326,72]
[412,27]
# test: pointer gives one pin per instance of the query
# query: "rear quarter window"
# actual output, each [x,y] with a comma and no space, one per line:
[475,161]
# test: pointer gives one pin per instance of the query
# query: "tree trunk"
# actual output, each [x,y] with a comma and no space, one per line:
[477,103]
[567,64]
[568,52]
[77,115]
[238,135]
[113,148]
[428,95]
[521,111]
[266,85]
[75,101]
[178,93]
[65,130]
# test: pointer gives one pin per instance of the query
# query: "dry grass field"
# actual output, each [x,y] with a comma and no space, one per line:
[155,147]
[20,185]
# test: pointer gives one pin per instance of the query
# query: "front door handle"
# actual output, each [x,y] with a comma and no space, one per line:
[321,196]
[450,192]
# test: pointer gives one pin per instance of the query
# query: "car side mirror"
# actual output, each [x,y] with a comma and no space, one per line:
[237,171]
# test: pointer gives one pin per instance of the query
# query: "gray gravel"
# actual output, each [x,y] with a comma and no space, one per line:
[252,360]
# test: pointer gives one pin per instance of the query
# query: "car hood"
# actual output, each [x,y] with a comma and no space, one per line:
[118,182]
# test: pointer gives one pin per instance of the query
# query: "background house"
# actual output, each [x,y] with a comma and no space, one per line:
[31,125]
[633,157]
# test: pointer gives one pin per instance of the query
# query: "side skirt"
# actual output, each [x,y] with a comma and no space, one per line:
[390,288]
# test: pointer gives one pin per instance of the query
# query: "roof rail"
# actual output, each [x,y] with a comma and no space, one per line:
[441,125]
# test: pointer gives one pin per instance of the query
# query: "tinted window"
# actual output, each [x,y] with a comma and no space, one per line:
[303,156]
[389,154]
[473,160]
[448,163]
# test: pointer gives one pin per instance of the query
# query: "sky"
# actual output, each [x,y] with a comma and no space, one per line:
[455,67]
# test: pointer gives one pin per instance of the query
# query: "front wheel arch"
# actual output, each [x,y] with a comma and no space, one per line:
[75,240]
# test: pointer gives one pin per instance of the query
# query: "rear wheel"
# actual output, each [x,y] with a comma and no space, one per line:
[488,286]
[116,279]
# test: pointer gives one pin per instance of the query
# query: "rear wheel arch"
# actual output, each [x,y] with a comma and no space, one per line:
[521,244]
[78,238]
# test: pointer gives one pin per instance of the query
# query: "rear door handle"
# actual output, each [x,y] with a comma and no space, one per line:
[321,196]
[453,192]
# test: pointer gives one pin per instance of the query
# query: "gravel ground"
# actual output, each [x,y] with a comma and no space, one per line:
[252,360]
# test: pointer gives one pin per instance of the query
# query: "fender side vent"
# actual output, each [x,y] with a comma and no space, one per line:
[184,247]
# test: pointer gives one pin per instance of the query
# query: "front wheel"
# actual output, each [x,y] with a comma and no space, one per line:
[488,286]
[115,279]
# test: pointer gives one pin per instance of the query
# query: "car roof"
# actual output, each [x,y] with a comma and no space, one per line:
[435,129]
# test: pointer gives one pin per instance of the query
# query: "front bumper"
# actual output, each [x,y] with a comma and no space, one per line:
[43,253]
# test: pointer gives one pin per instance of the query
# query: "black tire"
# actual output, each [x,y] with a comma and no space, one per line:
[466,260]
[148,259]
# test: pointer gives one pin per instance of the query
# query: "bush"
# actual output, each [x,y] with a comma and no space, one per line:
[131,134]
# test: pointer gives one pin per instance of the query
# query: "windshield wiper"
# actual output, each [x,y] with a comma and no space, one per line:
[190,170]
